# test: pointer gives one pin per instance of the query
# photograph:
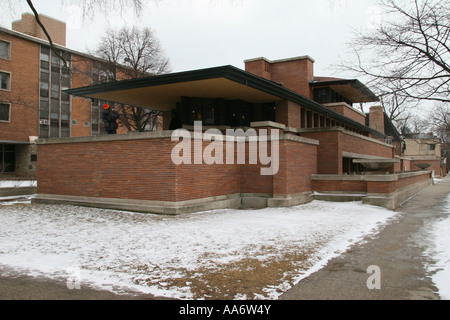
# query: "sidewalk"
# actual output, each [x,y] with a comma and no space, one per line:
[393,250]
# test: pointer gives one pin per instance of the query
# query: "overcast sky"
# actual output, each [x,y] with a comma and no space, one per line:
[198,34]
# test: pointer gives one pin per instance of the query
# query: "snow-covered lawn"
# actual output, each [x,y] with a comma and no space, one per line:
[230,254]
[222,254]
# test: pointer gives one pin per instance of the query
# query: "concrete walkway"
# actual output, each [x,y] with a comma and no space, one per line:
[396,250]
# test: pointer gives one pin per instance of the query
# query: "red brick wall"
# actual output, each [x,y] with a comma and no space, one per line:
[143,170]
[298,162]
[81,107]
[351,143]
[294,74]
[112,169]
[434,165]
[340,186]
[288,113]
[334,143]
[367,185]
[392,186]
[348,111]
[196,181]
[327,152]
[24,94]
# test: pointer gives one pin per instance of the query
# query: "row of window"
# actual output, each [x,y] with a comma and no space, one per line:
[310,119]
[54,104]
[5,82]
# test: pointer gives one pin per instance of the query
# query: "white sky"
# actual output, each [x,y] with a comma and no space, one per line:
[198,34]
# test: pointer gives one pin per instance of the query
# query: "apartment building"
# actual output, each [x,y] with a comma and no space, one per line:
[32,99]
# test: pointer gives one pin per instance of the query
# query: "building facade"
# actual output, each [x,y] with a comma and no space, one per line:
[424,151]
[323,150]
[32,99]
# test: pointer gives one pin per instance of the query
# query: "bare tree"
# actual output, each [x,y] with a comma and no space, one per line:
[141,51]
[89,8]
[132,53]
[412,123]
[409,54]
[439,117]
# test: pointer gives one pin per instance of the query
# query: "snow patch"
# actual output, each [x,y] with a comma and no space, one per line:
[122,251]
[438,233]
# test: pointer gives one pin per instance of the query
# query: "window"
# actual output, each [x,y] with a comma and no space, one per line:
[4,50]
[4,111]
[431,147]
[54,107]
[5,79]
[7,158]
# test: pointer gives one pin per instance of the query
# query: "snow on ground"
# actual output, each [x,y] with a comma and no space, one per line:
[17,183]
[439,250]
[176,256]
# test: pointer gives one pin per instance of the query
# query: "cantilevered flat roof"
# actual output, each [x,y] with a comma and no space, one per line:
[352,89]
[162,92]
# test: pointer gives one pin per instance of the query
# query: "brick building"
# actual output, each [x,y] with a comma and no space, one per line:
[424,150]
[325,147]
[32,99]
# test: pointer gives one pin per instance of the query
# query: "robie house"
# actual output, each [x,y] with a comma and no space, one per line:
[324,148]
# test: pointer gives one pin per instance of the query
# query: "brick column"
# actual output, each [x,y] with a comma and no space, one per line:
[288,113]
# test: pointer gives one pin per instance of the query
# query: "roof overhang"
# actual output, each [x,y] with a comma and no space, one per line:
[161,92]
[164,91]
[352,89]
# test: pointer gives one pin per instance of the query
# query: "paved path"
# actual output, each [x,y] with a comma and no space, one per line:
[396,250]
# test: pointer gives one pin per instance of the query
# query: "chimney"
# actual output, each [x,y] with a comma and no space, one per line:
[260,67]
[293,73]
[376,118]
[55,28]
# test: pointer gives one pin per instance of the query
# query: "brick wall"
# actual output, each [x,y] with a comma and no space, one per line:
[385,187]
[28,25]
[81,107]
[339,186]
[24,93]
[298,161]
[434,165]
[335,141]
[327,152]
[376,117]
[294,74]
[142,169]
[288,113]
[371,184]
[347,111]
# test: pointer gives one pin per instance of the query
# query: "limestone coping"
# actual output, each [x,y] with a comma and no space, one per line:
[168,134]
[372,177]
[340,129]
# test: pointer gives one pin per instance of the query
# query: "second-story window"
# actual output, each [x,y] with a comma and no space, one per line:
[4,50]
